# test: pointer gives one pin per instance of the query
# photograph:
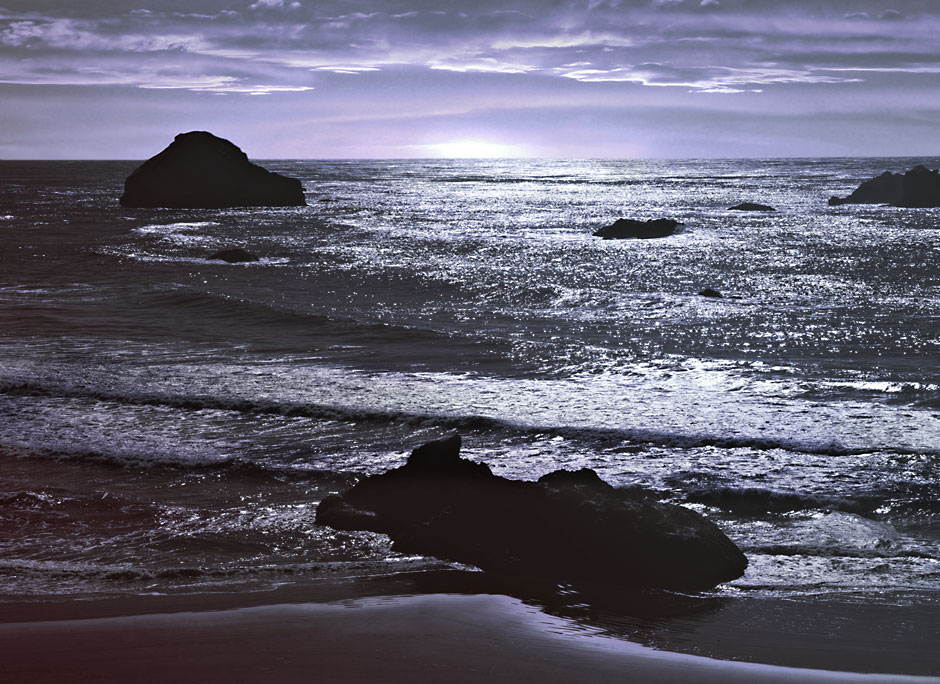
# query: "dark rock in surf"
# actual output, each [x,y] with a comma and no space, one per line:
[568,526]
[233,256]
[631,228]
[201,171]
[919,187]
[708,292]
[885,189]
[751,206]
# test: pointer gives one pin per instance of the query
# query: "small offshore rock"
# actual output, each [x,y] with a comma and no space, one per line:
[630,228]
[919,187]
[708,292]
[751,206]
[199,170]
[567,527]
[233,256]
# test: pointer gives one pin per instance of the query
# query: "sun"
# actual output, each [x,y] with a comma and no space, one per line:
[473,149]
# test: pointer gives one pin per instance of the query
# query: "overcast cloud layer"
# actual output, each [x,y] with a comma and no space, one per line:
[389,78]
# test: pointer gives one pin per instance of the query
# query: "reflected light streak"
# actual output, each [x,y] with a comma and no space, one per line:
[474,149]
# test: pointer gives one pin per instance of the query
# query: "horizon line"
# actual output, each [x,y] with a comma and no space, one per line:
[539,158]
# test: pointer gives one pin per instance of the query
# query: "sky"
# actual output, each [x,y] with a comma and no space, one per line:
[117,79]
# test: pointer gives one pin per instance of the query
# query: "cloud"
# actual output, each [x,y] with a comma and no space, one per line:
[748,45]
[229,86]
[707,79]
[80,36]
[484,64]
[890,15]
[388,77]
[274,4]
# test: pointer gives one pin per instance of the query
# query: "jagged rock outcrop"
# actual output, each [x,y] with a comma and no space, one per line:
[201,171]
[919,187]
[751,206]
[236,255]
[568,526]
[631,228]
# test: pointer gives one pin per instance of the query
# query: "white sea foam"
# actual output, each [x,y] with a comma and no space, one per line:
[171,228]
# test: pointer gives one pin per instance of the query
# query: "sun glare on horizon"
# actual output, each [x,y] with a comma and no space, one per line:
[474,149]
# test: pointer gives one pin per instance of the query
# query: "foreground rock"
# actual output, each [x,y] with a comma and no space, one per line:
[751,206]
[568,526]
[919,187]
[235,255]
[631,228]
[201,171]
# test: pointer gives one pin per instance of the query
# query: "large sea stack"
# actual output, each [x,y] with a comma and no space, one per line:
[919,187]
[567,527]
[202,171]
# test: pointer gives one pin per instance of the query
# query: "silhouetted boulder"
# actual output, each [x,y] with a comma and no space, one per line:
[919,187]
[583,477]
[751,206]
[631,228]
[708,292]
[568,526]
[201,171]
[233,256]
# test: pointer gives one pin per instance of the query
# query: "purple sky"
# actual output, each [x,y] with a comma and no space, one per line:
[393,78]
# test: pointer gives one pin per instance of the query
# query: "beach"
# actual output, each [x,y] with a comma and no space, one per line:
[433,637]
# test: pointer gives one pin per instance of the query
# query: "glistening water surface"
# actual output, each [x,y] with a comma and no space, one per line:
[169,423]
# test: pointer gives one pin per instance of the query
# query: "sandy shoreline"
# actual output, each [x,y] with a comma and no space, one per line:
[427,637]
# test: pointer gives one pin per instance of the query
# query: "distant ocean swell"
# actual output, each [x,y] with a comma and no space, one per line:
[236,311]
[897,500]
[597,437]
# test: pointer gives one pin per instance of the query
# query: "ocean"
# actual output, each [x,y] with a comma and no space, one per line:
[168,423]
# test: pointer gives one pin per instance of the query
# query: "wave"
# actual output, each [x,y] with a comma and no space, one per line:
[246,311]
[50,506]
[815,551]
[923,394]
[216,312]
[168,228]
[899,499]
[595,437]
[121,573]
[229,468]
[750,500]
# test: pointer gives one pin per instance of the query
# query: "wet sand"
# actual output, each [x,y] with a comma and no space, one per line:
[429,638]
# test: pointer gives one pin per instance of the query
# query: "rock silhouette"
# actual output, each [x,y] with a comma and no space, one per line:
[631,228]
[919,187]
[233,256]
[751,206]
[568,526]
[201,171]
[709,292]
